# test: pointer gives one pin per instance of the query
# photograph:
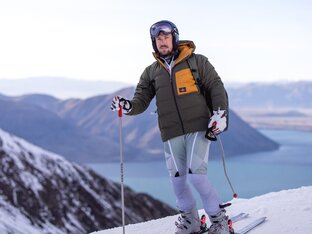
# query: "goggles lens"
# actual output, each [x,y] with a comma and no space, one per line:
[160,27]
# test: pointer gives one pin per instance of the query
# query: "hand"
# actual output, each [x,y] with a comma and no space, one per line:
[125,104]
[217,122]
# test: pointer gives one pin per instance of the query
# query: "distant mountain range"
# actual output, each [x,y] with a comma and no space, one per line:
[242,95]
[41,192]
[291,95]
[85,130]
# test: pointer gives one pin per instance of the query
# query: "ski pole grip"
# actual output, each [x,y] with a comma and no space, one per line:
[209,133]
[120,111]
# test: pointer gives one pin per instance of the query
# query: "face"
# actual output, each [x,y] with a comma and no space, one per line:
[164,44]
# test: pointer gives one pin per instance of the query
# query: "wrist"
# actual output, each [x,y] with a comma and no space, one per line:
[221,113]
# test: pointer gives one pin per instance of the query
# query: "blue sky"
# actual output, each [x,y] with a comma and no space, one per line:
[109,40]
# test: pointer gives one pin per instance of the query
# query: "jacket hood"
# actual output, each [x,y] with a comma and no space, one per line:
[186,44]
[186,48]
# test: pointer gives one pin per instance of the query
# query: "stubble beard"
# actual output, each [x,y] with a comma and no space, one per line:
[165,53]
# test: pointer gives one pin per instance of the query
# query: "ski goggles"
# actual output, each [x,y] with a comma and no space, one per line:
[159,27]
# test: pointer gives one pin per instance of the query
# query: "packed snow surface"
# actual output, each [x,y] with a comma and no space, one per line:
[287,212]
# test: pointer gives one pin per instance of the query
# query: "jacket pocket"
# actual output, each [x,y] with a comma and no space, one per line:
[185,82]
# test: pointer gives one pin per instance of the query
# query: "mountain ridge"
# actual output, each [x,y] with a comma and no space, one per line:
[99,128]
[248,94]
[275,95]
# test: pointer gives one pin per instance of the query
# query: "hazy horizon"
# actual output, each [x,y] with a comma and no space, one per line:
[63,87]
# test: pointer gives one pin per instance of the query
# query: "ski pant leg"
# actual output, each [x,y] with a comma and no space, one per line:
[176,161]
[187,158]
[184,197]
[198,153]
[176,158]
[207,192]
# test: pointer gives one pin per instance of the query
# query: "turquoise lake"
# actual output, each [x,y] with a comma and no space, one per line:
[254,174]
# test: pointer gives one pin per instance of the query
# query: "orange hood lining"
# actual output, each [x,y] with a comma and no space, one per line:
[186,48]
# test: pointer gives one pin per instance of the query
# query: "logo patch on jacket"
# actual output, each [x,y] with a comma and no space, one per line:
[182,90]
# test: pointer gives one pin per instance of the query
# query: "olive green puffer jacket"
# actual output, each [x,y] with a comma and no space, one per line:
[181,108]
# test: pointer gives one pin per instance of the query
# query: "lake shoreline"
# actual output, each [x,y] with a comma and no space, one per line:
[251,175]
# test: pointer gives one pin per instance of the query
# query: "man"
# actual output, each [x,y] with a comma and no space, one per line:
[183,118]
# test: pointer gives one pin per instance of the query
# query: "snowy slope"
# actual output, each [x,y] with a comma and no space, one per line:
[287,212]
[42,193]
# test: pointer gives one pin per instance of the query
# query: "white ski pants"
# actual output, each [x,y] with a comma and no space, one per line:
[187,161]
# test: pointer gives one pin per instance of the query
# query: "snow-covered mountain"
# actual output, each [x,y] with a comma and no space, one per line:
[287,212]
[41,193]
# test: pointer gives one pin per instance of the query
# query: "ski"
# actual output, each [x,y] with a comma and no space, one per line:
[233,219]
[239,217]
[204,229]
[251,226]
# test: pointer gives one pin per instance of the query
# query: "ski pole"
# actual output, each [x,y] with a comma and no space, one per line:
[224,166]
[121,171]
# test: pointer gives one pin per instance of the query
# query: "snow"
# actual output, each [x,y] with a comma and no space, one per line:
[16,146]
[287,211]
[12,218]
[13,221]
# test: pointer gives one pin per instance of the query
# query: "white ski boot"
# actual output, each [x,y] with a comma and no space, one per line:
[219,223]
[188,222]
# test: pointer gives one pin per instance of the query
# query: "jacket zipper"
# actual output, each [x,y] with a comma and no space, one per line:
[169,68]
[175,101]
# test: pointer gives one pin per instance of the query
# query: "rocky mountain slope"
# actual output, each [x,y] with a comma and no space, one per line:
[41,192]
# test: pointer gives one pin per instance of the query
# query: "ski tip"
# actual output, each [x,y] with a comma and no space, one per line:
[251,225]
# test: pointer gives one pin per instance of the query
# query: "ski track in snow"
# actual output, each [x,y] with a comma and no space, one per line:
[287,212]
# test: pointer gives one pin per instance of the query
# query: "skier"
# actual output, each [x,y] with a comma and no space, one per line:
[183,119]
